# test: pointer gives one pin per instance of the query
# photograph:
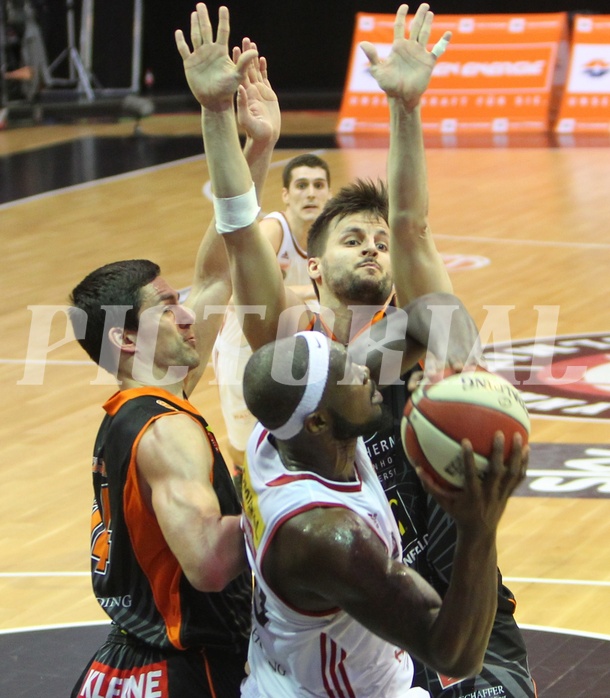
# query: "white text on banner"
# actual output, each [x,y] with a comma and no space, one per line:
[497,75]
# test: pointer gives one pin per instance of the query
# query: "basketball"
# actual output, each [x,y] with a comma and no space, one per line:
[473,405]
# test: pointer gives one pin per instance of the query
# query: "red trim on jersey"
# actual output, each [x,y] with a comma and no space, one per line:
[294,476]
[333,671]
[261,438]
[323,665]
[261,555]
[344,677]
[336,486]
[291,514]
[299,250]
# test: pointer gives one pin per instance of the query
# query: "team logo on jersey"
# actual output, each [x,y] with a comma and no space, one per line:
[565,377]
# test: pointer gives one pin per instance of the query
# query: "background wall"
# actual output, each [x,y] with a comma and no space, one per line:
[306,42]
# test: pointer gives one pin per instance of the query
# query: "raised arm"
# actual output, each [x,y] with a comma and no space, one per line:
[258,114]
[214,79]
[417,266]
[315,569]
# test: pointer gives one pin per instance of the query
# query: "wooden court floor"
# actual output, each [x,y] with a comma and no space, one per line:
[525,232]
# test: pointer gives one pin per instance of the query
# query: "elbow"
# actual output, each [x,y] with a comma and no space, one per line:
[465,664]
[413,223]
[465,667]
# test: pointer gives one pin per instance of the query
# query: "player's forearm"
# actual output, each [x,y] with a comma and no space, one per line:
[219,555]
[227,166]
[258,286]
[407,176]
[436,324]
[258,156]
[460,633]
[417,267]
[441,323]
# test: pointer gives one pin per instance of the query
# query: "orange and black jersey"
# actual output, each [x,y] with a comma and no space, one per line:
[136,578]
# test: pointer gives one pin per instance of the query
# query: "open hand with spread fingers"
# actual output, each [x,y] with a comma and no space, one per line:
[406,72]
[211,74]
[258,109]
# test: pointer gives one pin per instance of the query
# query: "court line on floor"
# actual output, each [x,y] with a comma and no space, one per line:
[275,165]
[54,626]
[550,580]
[510,241]
[564,631]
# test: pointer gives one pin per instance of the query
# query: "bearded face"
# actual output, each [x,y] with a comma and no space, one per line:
[356,267]
[363,282]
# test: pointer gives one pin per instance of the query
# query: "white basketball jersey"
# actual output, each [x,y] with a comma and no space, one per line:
[292,258]
[294,653]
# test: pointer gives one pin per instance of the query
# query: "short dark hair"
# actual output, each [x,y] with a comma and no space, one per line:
[115,284]
[306,160]
[272,402]
[362,195]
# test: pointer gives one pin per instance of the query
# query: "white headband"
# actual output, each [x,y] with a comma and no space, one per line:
[317,376]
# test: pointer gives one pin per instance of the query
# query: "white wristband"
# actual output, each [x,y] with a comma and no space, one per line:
[236,212]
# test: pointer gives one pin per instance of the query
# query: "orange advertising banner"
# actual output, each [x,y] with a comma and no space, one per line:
[497,75]
[585,105]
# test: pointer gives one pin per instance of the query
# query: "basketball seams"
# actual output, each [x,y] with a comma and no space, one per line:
[453,420]
[472,405]
[425,443]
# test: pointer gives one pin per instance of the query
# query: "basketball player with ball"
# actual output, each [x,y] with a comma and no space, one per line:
[371,251]
[334,607]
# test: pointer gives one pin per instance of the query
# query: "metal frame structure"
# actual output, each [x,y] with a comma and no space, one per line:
[87,47]
[80,79]
[77,73]
[3,64]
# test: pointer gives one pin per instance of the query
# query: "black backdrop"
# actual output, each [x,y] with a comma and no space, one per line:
[306,42]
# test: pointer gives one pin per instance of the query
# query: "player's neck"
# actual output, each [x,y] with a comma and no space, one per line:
[325,456]
[127,382]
